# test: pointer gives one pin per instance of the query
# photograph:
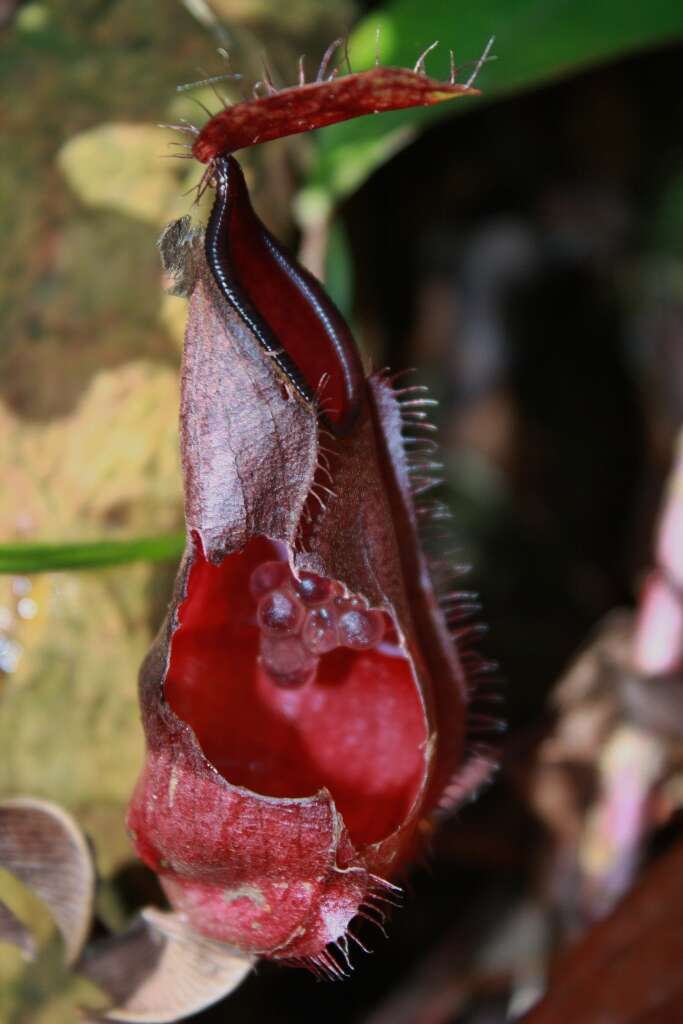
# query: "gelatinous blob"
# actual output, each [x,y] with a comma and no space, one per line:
[360,629]
[313,590]
[280,613]
[268,576]
[286,661]
[301,620]
[320,633]
[349,603]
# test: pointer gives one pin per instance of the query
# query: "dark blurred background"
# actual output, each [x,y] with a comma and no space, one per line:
[524,253]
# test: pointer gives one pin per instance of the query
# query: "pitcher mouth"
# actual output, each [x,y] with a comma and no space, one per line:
[346,718]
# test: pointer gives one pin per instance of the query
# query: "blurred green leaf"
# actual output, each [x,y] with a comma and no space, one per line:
[18,559]
[537,41]
[338,268]
[668,224]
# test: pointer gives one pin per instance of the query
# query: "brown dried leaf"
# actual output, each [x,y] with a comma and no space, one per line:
[44,848]
[590,673]
[17,934]
[178,248]
[159,971]
[627,970]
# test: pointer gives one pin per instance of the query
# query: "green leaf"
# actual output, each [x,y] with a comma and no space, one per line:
[18,559]
[338,269]
[537,41]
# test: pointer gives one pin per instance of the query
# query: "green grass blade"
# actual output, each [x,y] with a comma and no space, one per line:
[18,559]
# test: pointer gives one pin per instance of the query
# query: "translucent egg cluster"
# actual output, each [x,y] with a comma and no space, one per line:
[301,619]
